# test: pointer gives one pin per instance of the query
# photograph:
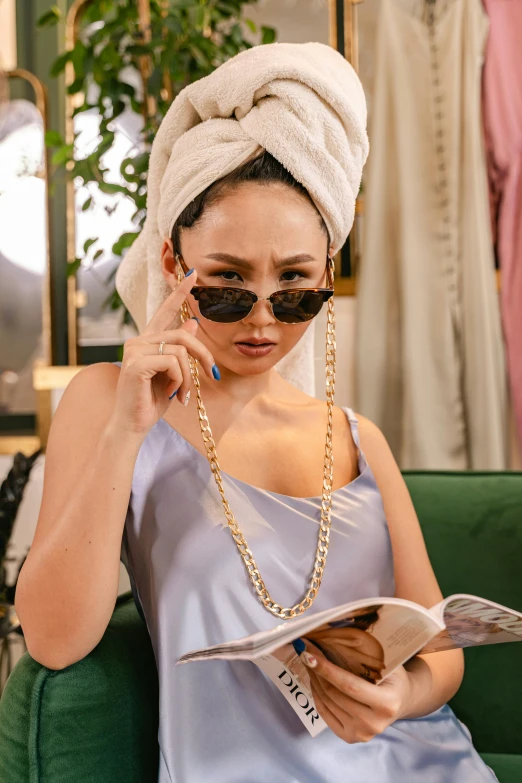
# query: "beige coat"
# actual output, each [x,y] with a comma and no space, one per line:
[429,351]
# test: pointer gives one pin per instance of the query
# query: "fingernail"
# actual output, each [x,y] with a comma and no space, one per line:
[216,373]
[309,660]
[173,395]
[299,646]
[194,319]
[190,271]
[186,400]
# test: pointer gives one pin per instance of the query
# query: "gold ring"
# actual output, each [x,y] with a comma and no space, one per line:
[161,347]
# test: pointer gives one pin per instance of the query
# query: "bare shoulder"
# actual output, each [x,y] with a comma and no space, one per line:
[367,426]
[373,441]
[380,457]
[94,385]
[89,398]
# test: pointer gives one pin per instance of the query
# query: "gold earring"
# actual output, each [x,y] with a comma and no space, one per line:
[180,271]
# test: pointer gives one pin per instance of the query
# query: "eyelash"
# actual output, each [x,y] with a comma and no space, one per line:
[228,280]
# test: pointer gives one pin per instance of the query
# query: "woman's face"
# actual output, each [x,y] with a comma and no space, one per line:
[245,241]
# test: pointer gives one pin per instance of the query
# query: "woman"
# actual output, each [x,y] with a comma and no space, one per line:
[126,456]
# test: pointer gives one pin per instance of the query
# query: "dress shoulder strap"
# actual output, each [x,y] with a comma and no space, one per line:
[354,426]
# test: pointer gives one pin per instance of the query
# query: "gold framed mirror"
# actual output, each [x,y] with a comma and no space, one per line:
[339,29]
[26,322]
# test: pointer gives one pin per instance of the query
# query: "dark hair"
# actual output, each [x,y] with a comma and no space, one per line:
[265,168]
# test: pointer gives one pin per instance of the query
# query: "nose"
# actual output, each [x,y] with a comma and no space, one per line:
[260,315]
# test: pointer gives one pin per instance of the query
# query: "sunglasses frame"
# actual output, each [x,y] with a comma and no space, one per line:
[327,292]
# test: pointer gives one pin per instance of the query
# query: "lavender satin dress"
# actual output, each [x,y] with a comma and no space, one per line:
[223,721]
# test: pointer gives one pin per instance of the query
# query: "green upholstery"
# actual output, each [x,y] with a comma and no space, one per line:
[93,722]
[97,721]
[472,525]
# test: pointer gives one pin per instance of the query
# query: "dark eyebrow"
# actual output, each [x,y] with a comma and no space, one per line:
[300,258]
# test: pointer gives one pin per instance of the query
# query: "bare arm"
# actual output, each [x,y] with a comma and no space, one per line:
[69,582]
[434,678]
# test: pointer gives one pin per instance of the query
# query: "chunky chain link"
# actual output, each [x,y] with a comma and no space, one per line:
[284,613]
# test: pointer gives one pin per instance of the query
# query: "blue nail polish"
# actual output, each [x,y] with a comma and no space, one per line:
[173,395]
[299,646]
[193,318]
[190,271]
[216,373]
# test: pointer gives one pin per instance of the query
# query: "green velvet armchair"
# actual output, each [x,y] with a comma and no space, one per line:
[97,720]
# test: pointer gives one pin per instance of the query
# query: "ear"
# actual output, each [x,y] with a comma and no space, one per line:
[168,263]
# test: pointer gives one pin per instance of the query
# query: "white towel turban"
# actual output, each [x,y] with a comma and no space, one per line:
[305,105]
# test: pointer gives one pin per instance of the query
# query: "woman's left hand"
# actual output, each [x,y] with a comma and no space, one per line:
[354,709]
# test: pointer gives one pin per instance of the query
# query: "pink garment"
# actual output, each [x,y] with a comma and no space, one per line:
[502,111]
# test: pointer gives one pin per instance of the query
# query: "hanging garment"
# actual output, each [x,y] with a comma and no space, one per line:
[430,369]
[502,112]
[224,721]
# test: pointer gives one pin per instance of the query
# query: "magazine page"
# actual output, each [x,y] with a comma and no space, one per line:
[401,627]
[370,638]
[373,641]
[370,642]
[472,621]
[289,674]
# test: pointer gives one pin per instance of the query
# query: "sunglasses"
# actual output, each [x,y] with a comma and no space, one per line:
[291,306]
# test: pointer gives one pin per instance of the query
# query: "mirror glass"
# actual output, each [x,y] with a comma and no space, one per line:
[23,257]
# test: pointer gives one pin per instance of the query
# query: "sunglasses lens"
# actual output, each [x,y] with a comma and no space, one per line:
[224,305]
[294,308]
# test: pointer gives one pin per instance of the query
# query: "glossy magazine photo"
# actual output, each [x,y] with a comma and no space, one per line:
[378,635]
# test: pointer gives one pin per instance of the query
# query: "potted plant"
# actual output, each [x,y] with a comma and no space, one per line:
[166,44]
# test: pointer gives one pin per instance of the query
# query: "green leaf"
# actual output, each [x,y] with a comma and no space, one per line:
[251,24]
[139,50]
[141,162]
[155,81]
[236,35]
[78,56]
[200,17]
[105,144]
[84,107]
[268,35]
[125,241]
[127,89]
[110,187]
[173,24]
[59,64]
[86,204]
[63,155]
[226,8]
[53,139]
[50,17]
[76,86]
[73,266]
[97,255]
[88,244]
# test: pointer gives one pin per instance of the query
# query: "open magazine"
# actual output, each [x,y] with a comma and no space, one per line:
[385,633]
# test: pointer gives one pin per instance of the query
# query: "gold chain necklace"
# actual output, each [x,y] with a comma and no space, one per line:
[326,504]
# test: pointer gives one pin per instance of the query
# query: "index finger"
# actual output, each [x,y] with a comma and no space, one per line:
[350,684]
[166,313]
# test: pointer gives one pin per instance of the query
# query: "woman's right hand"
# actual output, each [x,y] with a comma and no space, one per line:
[148,378]
[353,649]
